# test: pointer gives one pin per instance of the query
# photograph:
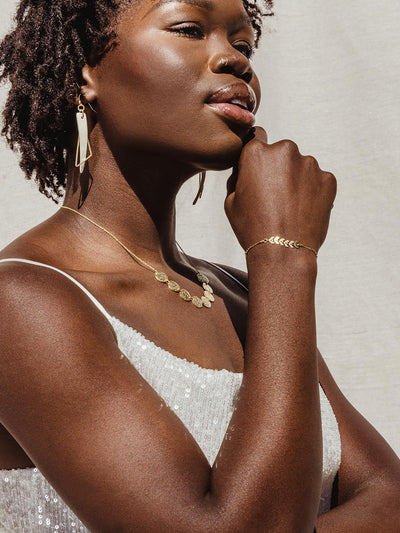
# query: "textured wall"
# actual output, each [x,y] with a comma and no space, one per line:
[331,79]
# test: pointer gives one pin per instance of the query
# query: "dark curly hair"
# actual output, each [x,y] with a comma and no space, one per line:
[42,58]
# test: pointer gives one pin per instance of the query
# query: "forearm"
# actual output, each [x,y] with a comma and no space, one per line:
[375,508]
[269,466]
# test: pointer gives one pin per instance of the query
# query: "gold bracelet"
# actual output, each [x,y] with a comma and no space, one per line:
[276,239]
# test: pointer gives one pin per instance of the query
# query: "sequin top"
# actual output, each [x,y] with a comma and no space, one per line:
[202,398]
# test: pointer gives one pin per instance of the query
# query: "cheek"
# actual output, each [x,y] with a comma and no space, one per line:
[152,96]
[148,86]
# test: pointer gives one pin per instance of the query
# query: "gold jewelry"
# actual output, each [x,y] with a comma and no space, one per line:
[224,62]
[88,103]
[83,145]
[199,302]
[276,239]
[202,179]
[200,276]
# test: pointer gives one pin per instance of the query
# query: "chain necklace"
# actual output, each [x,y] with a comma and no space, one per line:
[199,302]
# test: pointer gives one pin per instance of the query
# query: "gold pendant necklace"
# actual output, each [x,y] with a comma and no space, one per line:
[199,302]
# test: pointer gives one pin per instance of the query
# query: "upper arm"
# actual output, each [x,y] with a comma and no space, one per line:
[113,450]
[366,456]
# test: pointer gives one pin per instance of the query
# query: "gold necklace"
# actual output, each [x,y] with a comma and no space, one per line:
[199,302]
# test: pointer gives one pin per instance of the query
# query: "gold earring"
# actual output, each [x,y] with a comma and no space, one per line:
[202,179]
[83,145]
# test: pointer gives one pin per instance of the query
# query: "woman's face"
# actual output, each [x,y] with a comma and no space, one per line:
[153,90]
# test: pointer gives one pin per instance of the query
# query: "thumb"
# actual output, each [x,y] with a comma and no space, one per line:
[228,204]
[256,133]
[231,183]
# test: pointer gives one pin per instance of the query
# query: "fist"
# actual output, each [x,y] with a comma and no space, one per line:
[275,190]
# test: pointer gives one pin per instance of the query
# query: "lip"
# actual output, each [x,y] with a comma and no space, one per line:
[221,102]
[237,91]
[234,113]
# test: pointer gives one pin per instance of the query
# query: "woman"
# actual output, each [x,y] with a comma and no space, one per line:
[220,415]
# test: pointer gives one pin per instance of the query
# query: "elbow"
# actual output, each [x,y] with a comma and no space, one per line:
[384,495]
[219,519]
[390,494]
[387,484]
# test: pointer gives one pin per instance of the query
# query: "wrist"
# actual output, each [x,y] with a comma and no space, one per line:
[286,259]
[281,241]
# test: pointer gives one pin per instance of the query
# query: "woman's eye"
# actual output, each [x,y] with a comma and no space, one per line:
[245,48]
[192,31]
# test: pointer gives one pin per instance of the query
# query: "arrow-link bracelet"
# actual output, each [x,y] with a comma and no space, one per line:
[276,239]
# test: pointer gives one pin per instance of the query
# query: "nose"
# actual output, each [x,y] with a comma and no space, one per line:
[232,62]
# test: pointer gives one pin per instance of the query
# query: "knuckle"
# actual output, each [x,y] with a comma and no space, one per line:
[260,129]
[331,180]
[257,145]
[288,146]
[330,185]
[310,161]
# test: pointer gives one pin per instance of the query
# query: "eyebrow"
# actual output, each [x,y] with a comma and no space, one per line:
[203,4]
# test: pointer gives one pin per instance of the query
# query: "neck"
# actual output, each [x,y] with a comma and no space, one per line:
[133,198]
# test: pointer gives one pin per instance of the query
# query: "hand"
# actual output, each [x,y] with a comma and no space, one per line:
[275,190]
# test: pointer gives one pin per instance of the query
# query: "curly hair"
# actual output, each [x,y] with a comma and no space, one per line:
[42,59]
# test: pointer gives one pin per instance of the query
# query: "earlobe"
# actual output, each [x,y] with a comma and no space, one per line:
[89,88]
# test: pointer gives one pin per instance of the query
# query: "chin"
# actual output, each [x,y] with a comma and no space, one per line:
[222,156]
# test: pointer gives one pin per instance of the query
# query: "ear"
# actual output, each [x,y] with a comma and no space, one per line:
[89,89]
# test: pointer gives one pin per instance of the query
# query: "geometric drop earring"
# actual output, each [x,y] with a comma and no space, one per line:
[83,145]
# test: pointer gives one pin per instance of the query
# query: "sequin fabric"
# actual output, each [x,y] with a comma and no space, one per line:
[202,398]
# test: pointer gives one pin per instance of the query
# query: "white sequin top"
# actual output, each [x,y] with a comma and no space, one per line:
[202,398]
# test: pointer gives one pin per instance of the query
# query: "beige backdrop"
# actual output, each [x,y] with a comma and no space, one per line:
[331,82]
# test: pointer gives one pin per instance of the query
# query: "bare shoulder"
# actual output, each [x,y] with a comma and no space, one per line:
[31,294]
[38,244]
[31,291]
[46,321]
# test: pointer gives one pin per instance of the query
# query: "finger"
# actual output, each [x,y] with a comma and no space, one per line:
[260,134]
[256,133]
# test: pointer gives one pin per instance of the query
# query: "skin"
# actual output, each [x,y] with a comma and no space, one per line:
[152,131]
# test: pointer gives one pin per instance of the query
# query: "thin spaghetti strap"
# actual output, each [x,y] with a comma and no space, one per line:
[94,300]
